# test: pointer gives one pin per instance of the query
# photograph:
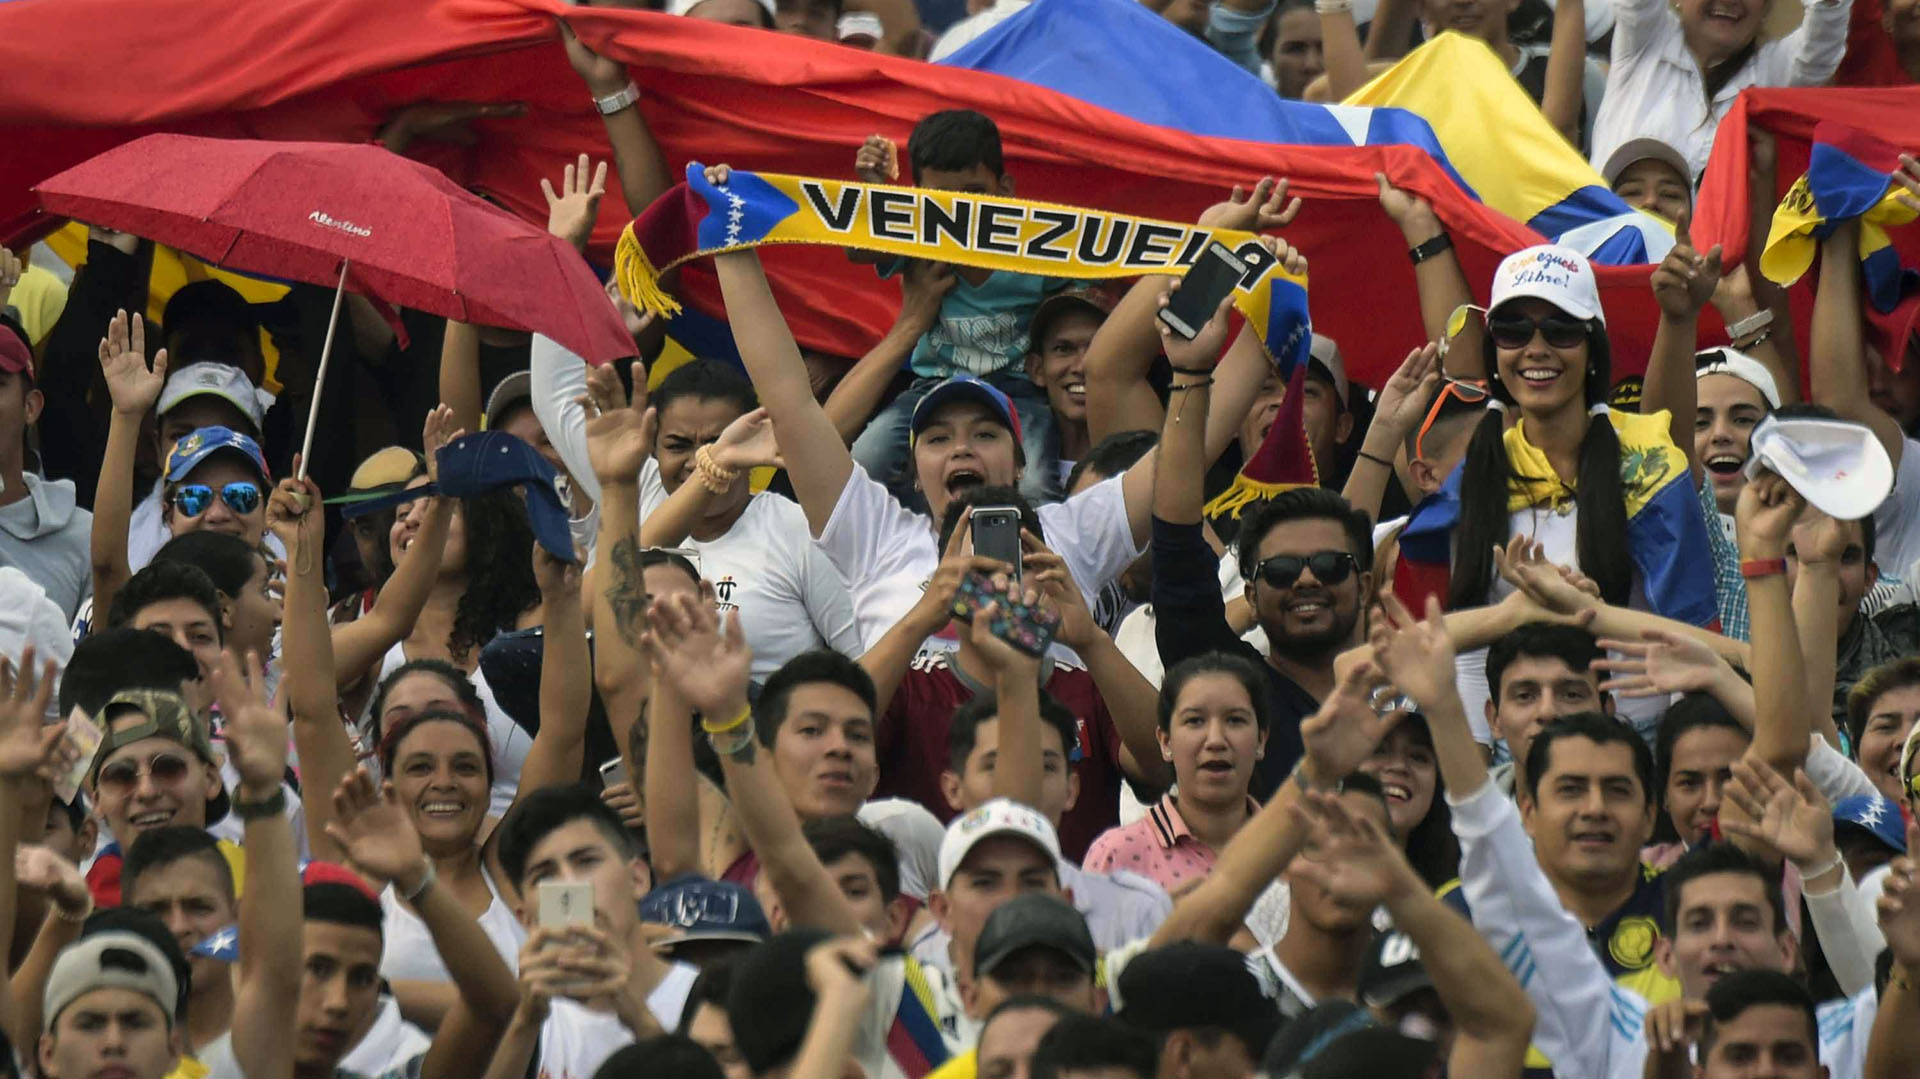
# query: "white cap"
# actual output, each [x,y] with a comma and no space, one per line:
[1327,351]
[685,7]
[228,383]
[1727,361]
[1559,275]
[1634,150]
[515,389]
[28,617]
[1001,816]
[1838,466]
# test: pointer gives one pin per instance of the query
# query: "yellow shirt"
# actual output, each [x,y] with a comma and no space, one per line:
[964,1066]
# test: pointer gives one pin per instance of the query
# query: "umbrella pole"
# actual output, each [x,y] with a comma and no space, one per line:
[320,376]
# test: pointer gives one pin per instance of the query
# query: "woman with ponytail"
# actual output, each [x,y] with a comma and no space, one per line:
[1605,492]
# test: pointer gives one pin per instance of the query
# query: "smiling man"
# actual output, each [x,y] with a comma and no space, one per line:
[1063,328]
[154,769]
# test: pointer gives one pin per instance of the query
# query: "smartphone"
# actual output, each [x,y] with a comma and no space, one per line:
[613,771]
[566,902]
[996,535]
[1213,275]
[1030,629]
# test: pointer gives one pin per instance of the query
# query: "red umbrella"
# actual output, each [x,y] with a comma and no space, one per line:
[349,215]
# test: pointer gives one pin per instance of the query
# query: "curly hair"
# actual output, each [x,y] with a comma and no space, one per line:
[500,582]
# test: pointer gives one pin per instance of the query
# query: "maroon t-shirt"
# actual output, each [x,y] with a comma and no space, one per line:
[912,745]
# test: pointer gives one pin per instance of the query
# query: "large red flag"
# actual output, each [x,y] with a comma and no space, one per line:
[84,75]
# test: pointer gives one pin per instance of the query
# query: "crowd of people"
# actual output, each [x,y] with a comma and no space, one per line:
[778,715]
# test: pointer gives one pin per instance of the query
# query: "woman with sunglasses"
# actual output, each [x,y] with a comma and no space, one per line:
[214,478]
[1608,493]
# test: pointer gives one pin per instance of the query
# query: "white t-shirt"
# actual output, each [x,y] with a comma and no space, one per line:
[575,1040]
[886,553]
[1896,523]
[789,596]
[510,740]
[391,1047]
[409,953]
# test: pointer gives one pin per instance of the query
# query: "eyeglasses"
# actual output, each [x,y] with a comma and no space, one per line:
[1468,391]
[123,775]
[1282,570]
[192,499]
[1515,331]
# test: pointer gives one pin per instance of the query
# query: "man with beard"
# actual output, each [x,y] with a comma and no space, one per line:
[1306,555]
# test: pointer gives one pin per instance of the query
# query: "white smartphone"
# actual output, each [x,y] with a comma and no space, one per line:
[566,902]
[613,771]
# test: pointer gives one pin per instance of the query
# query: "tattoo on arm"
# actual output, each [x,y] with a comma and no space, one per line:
[627,595]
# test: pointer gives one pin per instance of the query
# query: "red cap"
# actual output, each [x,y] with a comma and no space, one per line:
[15,357]
[333,873]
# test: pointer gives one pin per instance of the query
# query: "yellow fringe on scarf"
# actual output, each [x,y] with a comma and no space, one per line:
[639,281]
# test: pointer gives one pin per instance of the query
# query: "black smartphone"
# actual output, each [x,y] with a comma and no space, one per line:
[1213,275]
[996,535]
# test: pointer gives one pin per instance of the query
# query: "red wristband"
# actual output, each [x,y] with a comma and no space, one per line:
[1762,567]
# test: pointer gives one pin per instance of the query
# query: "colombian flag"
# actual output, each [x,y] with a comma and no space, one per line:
[1666,535]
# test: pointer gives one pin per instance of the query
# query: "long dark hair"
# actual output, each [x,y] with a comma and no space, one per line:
[500,582]
[1486,472]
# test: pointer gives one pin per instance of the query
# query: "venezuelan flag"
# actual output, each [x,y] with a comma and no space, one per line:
[1666,536]
[1848,177]
[1520,166]
[914,1043]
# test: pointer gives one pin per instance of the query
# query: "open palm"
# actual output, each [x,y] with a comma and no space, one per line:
[256,731]
[707,664]
[1346,729]
[132,385]
[748,442]
[372,830]
[28,745]
[619,432]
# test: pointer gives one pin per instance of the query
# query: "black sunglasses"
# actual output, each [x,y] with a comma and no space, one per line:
[1329,567]
[1515,331]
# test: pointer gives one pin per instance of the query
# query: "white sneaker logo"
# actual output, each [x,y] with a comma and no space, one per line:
[320,218]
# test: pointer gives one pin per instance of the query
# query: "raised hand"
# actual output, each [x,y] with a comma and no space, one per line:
[1674,1028]
[1685,280]
[437,431]
[123,362]
[1417,655]
[935,607]
[1908,176]
[256,731]
[1828,539]
[1048,572]
[923,287]
[1346,729]
[1348,856]
[29,746]
[998,654]
[290,512]
[1265,207]
[623,798]
[1792,818]
[1203,351]
[1409,390]
[747,443]
[10,273]
[1899,906]
[602,75]
[838,968]
[571,210]
[374,833]
[37,867]
[619,433]
[1659,663]
[1763,517]
[555,577]
[708,665]
[1405,208]
[877,161]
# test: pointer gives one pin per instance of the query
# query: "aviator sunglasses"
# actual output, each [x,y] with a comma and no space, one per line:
[192,499]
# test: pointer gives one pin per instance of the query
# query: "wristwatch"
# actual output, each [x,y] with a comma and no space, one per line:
[1753,323]
[619,99]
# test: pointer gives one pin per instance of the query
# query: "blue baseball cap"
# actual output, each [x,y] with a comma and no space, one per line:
[704,910]
[489,460]
[966,388]
[203,443]
[1875,814]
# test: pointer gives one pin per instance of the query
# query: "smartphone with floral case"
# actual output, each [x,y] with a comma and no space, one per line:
[1030,629]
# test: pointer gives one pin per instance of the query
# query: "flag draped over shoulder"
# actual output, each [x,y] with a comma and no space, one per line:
[1519,165]
[1666,535]
[1847,179]
[749,210]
